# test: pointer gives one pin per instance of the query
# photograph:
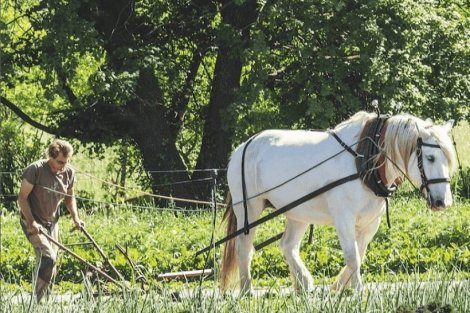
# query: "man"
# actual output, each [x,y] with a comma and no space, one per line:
[45,183]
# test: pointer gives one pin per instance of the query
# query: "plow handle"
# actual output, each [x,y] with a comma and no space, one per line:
[54,241]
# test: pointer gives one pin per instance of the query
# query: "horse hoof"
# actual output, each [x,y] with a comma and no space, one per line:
[335,286]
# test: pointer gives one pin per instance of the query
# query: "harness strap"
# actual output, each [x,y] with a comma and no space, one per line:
[269,241]
[344,145]
[425,144]
[387,213]
[245,207]
[282,210]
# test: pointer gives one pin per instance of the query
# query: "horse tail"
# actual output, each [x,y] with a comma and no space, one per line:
[229,260]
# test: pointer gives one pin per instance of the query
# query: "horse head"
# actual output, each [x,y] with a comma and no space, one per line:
[432,163]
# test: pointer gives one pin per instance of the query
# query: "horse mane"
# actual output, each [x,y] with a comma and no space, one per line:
[360,117]
[402,135]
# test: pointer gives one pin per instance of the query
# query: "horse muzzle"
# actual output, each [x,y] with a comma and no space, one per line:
[437,205]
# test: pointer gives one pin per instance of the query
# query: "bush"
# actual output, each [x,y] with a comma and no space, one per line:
[461,183]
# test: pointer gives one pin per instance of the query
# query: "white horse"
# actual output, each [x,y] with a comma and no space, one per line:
[274,157]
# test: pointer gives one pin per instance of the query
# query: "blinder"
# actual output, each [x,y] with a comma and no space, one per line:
[425,182]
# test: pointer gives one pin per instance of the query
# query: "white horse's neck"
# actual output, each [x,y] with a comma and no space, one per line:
[395,162]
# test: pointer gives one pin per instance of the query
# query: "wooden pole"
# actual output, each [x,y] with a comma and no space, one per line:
[81,259]
[140,276]
[105,257]
[186,274]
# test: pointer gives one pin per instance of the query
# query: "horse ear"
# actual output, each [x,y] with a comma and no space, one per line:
[428,123]
[448,125]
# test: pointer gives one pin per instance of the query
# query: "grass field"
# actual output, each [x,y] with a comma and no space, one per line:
[420,247]
[402,297]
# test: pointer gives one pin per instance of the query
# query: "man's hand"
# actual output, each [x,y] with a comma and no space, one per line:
[35,228]
[78,223]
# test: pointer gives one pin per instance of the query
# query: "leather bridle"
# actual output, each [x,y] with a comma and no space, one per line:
[425,182]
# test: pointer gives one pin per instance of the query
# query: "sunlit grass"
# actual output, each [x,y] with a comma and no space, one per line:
[460,134]
[413,295]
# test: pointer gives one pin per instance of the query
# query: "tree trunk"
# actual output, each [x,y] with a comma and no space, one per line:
[154,130]
[216,142]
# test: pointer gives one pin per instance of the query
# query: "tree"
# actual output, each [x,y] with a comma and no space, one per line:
[16,149]
[143,60]
[316,63]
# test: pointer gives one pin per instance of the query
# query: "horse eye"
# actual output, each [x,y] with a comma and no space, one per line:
[430,158]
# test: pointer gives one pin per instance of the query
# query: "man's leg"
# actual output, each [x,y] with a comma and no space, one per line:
[46,256]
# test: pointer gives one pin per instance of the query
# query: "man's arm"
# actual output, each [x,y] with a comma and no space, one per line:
[32,226]
[71,205]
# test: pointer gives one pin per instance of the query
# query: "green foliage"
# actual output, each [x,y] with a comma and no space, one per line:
[19,146]
[311,65]
[462,183]
[419,242]
[461,180]
[304,65]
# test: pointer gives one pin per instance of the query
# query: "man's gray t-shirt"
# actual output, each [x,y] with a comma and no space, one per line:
[48,190]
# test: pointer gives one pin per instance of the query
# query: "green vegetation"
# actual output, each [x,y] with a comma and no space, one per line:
[180,83]
[407,297]
[420,246]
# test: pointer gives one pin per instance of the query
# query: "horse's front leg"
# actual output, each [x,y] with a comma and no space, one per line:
[347,237]
[363,237]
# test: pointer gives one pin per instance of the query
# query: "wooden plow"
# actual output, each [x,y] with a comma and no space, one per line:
[82,260]
[137,269]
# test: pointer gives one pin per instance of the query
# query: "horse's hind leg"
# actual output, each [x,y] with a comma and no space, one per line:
[290,246]
[244,243]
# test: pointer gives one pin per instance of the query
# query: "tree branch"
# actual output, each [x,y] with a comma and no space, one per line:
[182,98]
[25,117]
[63,80]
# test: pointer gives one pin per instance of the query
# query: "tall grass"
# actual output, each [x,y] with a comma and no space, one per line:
[460,134]
[410,296]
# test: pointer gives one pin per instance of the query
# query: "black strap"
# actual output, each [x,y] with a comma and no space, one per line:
[247,230]
[282,210]
[345,146]
[310,235]
[268,242]
[432,145]
[388,215]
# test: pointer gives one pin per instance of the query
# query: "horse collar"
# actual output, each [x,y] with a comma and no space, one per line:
[371,171]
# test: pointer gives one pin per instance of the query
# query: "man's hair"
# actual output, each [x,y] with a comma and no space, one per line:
[57,146]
